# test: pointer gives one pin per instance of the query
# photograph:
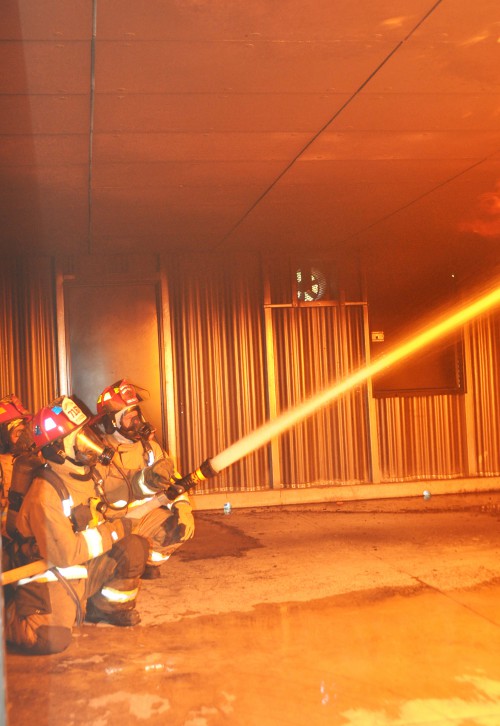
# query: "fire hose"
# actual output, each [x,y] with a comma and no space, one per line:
[161,498]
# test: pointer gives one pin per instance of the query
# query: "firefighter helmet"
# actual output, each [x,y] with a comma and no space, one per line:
[57,420]
[116,397]
[117,400]
[11,409]
[15,436]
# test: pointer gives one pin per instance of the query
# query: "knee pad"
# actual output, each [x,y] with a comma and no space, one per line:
[51,639]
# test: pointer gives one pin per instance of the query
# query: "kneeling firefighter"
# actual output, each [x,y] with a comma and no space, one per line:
[94,564]
[125,430]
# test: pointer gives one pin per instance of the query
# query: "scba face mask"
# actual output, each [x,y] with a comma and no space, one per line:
[135,427]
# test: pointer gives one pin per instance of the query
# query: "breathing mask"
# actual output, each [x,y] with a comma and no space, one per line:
[135,427]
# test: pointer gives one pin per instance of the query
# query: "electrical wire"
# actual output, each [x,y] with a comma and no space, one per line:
[326,125]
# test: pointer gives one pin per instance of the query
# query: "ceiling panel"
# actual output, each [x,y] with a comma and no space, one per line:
[440,68]
[45,67]
[422,112]
[27,20]
[349,129]
[31,115]
[259,19]
[44,150]
[144,211]
[403,145]
[414,207]
[60,216]
[180,174]
[234,67]
[214,112]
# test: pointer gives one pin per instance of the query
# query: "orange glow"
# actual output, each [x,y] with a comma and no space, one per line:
[429,334]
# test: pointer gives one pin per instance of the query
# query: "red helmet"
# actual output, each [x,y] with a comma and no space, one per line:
[13,418]
[57,420]
[116,397]
[112,405]
[11,409]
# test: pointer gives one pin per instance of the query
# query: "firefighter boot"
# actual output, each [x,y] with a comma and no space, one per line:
[152,572]
[114,604]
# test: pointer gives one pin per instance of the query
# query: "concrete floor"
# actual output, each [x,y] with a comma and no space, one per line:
[383,613]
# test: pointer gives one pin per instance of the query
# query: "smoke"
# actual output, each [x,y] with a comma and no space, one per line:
[487,222]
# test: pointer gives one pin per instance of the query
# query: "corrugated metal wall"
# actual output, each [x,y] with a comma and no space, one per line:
[28,353]
[219,369]
[421,437]
[224,388]
[315,347]
[484,386]
[426,437]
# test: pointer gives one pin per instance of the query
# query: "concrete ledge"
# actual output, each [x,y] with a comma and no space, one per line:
[342,493]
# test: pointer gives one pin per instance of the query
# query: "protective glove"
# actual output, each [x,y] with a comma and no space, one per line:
[85,515]
[158,475]
[185,519]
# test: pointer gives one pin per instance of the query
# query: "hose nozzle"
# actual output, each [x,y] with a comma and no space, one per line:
[180,486]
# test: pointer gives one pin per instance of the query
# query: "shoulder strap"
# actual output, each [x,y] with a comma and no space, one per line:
[50,475]
[24,469]
[148,452]
[16,498]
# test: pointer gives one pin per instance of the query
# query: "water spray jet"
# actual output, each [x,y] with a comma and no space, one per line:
[437,330]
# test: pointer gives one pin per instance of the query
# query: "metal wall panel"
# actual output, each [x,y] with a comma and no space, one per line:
[316,346]
[112,332]
[221,378]
[28,353]
[425,437]
[485,388]
[421,437]
[219,365]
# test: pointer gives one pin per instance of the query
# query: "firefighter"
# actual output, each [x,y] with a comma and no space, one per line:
[131,437]
[15,438]
[93,565]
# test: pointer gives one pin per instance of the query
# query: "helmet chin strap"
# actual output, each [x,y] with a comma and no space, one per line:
[68,445]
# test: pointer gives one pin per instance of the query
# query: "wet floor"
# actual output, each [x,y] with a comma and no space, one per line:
[413,649]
